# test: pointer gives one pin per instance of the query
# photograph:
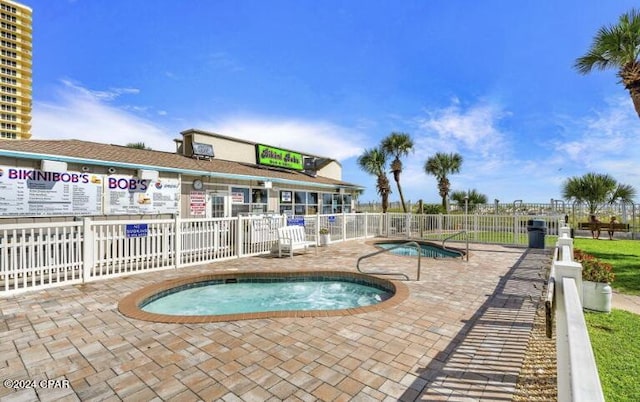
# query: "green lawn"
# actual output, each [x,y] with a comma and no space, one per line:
[614,337]
[624,255]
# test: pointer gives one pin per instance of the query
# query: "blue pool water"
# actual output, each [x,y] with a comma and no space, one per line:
[426,250]
[210,298]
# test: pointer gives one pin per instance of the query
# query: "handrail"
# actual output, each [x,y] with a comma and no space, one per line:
[410,243]
[466,237]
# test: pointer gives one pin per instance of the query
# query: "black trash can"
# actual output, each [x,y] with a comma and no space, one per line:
[537,230]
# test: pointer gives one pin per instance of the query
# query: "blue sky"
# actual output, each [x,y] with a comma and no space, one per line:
[491,80]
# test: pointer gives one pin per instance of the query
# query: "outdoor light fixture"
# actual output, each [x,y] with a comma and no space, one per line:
[145,174]
[53,166]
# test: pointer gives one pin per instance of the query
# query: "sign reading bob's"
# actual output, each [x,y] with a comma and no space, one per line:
[272,156]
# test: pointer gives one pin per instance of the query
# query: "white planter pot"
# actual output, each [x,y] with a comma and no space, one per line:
[596,296]
[324,240]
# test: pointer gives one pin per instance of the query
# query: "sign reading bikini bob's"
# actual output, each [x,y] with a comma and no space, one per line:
[272,156]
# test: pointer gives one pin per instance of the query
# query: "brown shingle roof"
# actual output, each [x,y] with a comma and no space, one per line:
[103,154]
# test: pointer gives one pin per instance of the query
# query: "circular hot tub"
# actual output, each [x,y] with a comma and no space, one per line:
[252,295]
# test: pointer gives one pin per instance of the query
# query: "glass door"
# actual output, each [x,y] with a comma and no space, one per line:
[219,205]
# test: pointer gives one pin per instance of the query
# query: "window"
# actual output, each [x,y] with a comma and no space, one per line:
[286,202]
[9,27]
[4,134]
[306,203]
[8,8]
[298,202]
[9,35]
[8,71]
[259,199]
[239,201]
[245,200]
[336,203]
[8,62]
[10,45]
[346,203]
[8,17]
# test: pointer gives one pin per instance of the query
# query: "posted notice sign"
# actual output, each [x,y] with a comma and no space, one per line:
[137,230]
[198,203]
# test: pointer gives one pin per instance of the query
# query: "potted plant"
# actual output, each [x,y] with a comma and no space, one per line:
[596,282]
[325,237]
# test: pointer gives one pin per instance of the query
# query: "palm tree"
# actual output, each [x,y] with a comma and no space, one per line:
[617,46]
[138,145]
[595,189]
[373,161]
[474,198]
[398,145]
[441,165]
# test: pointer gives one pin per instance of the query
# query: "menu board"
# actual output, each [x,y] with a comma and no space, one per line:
[30,192]
[130,195]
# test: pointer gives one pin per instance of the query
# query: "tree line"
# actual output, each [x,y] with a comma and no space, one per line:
[397,145]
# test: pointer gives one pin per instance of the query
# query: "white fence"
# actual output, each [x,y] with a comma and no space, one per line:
[498,229]
[34,256]
[578,379]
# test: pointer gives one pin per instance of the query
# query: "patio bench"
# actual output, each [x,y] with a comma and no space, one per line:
[617,227]
[293,238]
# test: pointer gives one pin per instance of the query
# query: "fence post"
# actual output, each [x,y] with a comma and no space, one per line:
[177,222]
[366,225]
[566,267]
[565,240]
[344,226]
[87,249]
[240,235]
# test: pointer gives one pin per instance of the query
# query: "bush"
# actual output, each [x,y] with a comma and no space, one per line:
[593,269]
[432,209]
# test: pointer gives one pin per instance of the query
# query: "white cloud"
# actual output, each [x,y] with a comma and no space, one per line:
[473,128]
[606,142]
[474,133]
[80,113]
[108,95]
[315,137]
[91,115]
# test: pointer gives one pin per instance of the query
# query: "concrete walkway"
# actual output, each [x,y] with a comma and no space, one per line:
[625,302]
[461,335]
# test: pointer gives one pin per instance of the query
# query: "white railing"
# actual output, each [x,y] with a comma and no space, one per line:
[47,254]
[113,252]
[578,379]
[206,240]
[498,229]
[33,256]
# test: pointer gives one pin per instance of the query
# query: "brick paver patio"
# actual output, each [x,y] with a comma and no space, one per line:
[460,335]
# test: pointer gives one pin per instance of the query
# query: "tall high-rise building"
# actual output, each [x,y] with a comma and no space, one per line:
[15,70]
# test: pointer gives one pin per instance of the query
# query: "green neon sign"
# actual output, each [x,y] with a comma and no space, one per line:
[272,156]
